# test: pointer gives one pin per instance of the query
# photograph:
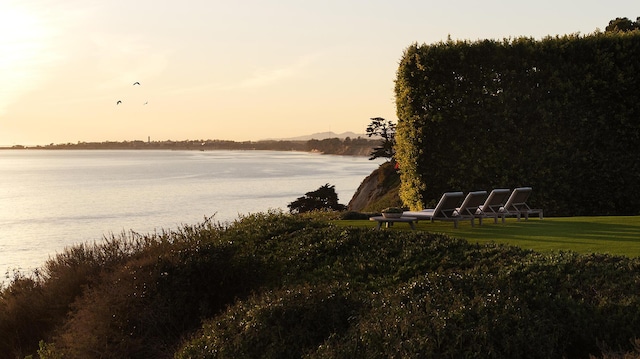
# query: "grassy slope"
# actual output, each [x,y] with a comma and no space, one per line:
[414,294]
[280,286]
[610,235]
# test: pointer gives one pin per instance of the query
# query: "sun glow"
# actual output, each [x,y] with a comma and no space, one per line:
[24,40]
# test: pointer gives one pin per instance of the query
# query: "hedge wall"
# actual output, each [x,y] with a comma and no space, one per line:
[561,115]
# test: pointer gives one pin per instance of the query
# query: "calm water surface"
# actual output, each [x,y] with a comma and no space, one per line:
[53,199]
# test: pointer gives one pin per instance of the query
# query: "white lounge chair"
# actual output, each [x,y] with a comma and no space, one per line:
[445,210]
[517,205]
[469,207]
[493,207]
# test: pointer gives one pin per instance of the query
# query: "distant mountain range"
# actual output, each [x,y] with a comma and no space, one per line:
[320,136]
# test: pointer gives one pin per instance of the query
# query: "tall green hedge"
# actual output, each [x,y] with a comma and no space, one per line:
[561,114]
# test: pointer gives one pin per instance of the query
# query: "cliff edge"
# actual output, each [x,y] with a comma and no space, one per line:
[378,190]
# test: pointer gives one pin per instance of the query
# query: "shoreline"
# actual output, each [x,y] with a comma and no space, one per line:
[333,146]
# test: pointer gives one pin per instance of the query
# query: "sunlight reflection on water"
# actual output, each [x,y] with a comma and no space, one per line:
[53,199]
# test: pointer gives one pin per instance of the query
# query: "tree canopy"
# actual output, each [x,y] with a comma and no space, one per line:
[623,24]
[385,129]
[324,198]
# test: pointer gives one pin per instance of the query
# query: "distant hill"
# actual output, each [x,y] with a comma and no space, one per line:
[320,136]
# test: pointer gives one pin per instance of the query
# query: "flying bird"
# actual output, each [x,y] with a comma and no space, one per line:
[119,102]
[136,83]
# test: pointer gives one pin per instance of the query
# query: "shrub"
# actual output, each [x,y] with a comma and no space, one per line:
[571,91]
[142,308]
[324,198]
[353,215]
[287,323]
[279,285]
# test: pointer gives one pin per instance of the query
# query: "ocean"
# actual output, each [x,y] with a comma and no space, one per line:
[53,199]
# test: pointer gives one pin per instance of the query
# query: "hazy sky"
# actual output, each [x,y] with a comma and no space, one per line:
[235,70]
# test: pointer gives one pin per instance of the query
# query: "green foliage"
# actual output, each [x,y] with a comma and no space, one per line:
[287,323]
[386,130]
[273,285]
[406,294]
[22,314]
[559,115]
[386,193]
[48,351]
[324,198]
[353,215]
[130,296]
[623,24]
[389,199]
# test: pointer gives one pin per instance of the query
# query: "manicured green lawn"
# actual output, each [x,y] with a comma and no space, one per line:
[612,235]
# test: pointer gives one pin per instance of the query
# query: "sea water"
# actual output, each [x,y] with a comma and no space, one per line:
[53,199]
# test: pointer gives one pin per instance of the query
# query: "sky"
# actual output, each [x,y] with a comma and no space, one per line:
[235,70]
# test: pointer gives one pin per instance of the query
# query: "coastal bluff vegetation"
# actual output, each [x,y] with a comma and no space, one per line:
[558,114]
[274,285]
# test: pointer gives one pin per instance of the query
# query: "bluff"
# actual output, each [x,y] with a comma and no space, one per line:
[378,190]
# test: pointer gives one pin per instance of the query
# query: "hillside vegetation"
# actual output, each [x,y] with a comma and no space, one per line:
[272,285]
[377,191]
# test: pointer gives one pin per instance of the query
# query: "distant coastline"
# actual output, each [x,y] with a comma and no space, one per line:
[336,146]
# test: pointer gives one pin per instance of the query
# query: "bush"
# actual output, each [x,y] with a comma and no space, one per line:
[572,92]
[353,215]
[285,286]
[287,323]
[324,198]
